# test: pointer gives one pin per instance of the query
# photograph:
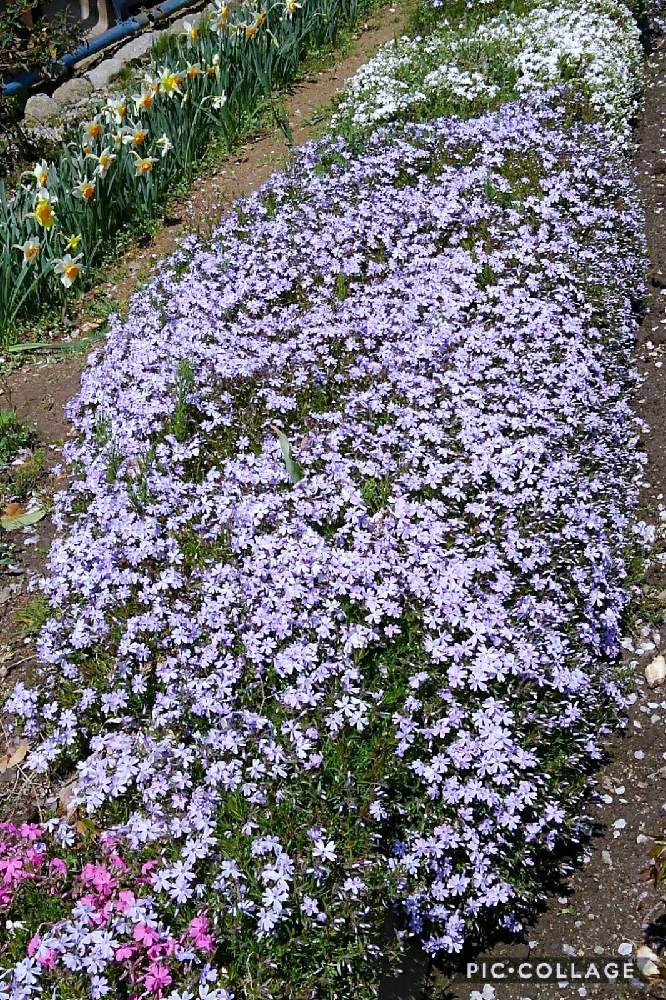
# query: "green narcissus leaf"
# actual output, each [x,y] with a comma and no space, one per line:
[13,522]
[294,470]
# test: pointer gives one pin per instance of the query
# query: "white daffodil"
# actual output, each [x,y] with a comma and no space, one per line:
[116,109]
[30,249]
[104,161]
[191,31]
[145,100]
[135,135]
[220,19]
[41,173]
[170,81]
[93,128]
[68,268]
[214,68]
[144,164]
[85,190]
[165,144]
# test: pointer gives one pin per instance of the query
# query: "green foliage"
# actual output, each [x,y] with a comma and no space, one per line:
[181,418]
[25,478]
[34,615]
[25,47]
[14,436]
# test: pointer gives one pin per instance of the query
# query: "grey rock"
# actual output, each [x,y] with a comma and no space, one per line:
[136,48]
[101,75]
[40,108]
[73,91]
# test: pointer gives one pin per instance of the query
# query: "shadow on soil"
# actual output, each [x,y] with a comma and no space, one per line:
[425,979]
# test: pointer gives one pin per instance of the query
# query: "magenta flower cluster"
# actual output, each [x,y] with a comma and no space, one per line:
[360,471]
[23,860]
[112,921]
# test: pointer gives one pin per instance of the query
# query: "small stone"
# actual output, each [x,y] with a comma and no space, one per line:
[606,858]
[625,948]
[73,91]
[655,672]
[619,824]
[647,962]
[41,108]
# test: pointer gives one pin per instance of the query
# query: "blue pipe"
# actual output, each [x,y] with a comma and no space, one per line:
[19,83]
[114,34]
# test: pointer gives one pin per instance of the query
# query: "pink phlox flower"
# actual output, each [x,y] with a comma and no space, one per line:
[103,914]
[126,898]
[47,958]
[14,871]
[29,831]
[145,935]
[157,977]
[35,856]
[125,951]
[34,943]
[117,862]
[99,877]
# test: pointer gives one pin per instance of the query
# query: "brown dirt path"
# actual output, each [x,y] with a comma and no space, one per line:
[607,900]
[40,390]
